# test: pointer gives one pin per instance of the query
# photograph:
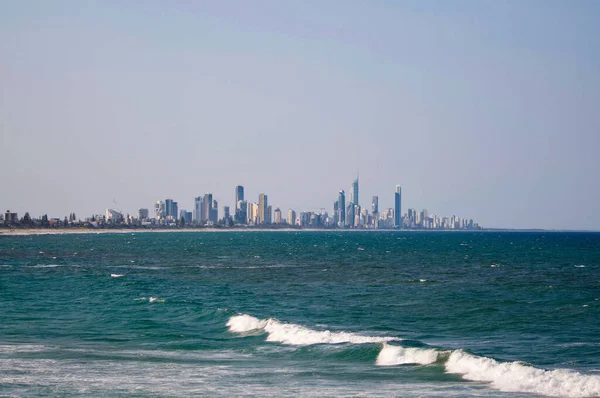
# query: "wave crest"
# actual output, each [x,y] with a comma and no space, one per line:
[517,377]
[391,355]
[292,334]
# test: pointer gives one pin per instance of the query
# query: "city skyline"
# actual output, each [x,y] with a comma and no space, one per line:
[487,109]
[205,212]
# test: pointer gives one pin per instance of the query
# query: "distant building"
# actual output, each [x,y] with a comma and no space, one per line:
[240,206]
[398,207]
[336,207]
[262,208]
[350,215]
[277,216]
[354,192]
[341,208]
[214,213]
[291,217]
[169,209]
[186,216]
[174,210]
[143,214]
[241,212]
[375,205]
[113,216]
[10,218]
[239,193]
[252,211]
[269,215]
[197,209]
[207,206]
[159,210]
[375,209]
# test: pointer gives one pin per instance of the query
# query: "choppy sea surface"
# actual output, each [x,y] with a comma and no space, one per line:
[301,313]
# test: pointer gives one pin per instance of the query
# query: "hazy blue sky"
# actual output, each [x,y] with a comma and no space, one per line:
[483,109]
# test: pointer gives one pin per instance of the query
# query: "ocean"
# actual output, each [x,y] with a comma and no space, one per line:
[300,313]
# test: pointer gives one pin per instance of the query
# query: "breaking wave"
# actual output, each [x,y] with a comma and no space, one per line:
[391,355]
[289,333]
[504,376]
[518,377]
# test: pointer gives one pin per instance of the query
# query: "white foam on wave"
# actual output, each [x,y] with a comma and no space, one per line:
[151,299]
[289,333]
[156,300]
[116,275]
[518,377]
[391,355]
[48,265]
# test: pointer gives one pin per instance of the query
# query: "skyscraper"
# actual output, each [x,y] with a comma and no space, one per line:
[398,207]
[159,210]
[207,203]
[239,193]
[142,214]
[226,212]
[269,215]
[291,217]
[349,217]
[174,210]
[169,209]
[198,209]
[342,208]
[252,212]
[354,192]
[336,213]
[214,212]
[277,216]
[375,205]
[240,207]
[262,208]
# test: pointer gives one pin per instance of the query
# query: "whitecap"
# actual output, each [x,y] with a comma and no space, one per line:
[156,300]
[116,275]
[292,334]
[391,355]
[47,266]
[519,377]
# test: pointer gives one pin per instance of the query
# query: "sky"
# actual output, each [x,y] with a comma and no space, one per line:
[483,109]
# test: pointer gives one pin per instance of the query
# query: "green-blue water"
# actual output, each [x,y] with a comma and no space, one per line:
[246,313]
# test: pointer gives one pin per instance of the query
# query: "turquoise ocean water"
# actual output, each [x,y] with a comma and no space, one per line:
[255,313]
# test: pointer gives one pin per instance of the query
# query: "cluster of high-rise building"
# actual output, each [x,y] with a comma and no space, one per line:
[347,213]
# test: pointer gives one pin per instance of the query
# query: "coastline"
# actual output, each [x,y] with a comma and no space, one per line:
[79,231]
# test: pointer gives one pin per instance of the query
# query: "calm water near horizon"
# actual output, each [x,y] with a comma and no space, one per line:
[301,313]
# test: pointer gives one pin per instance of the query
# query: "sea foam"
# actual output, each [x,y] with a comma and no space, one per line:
[292,334]
[518,377]
[391,355]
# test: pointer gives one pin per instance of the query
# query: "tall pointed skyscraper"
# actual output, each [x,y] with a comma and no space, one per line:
[354,192]
[398,207]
